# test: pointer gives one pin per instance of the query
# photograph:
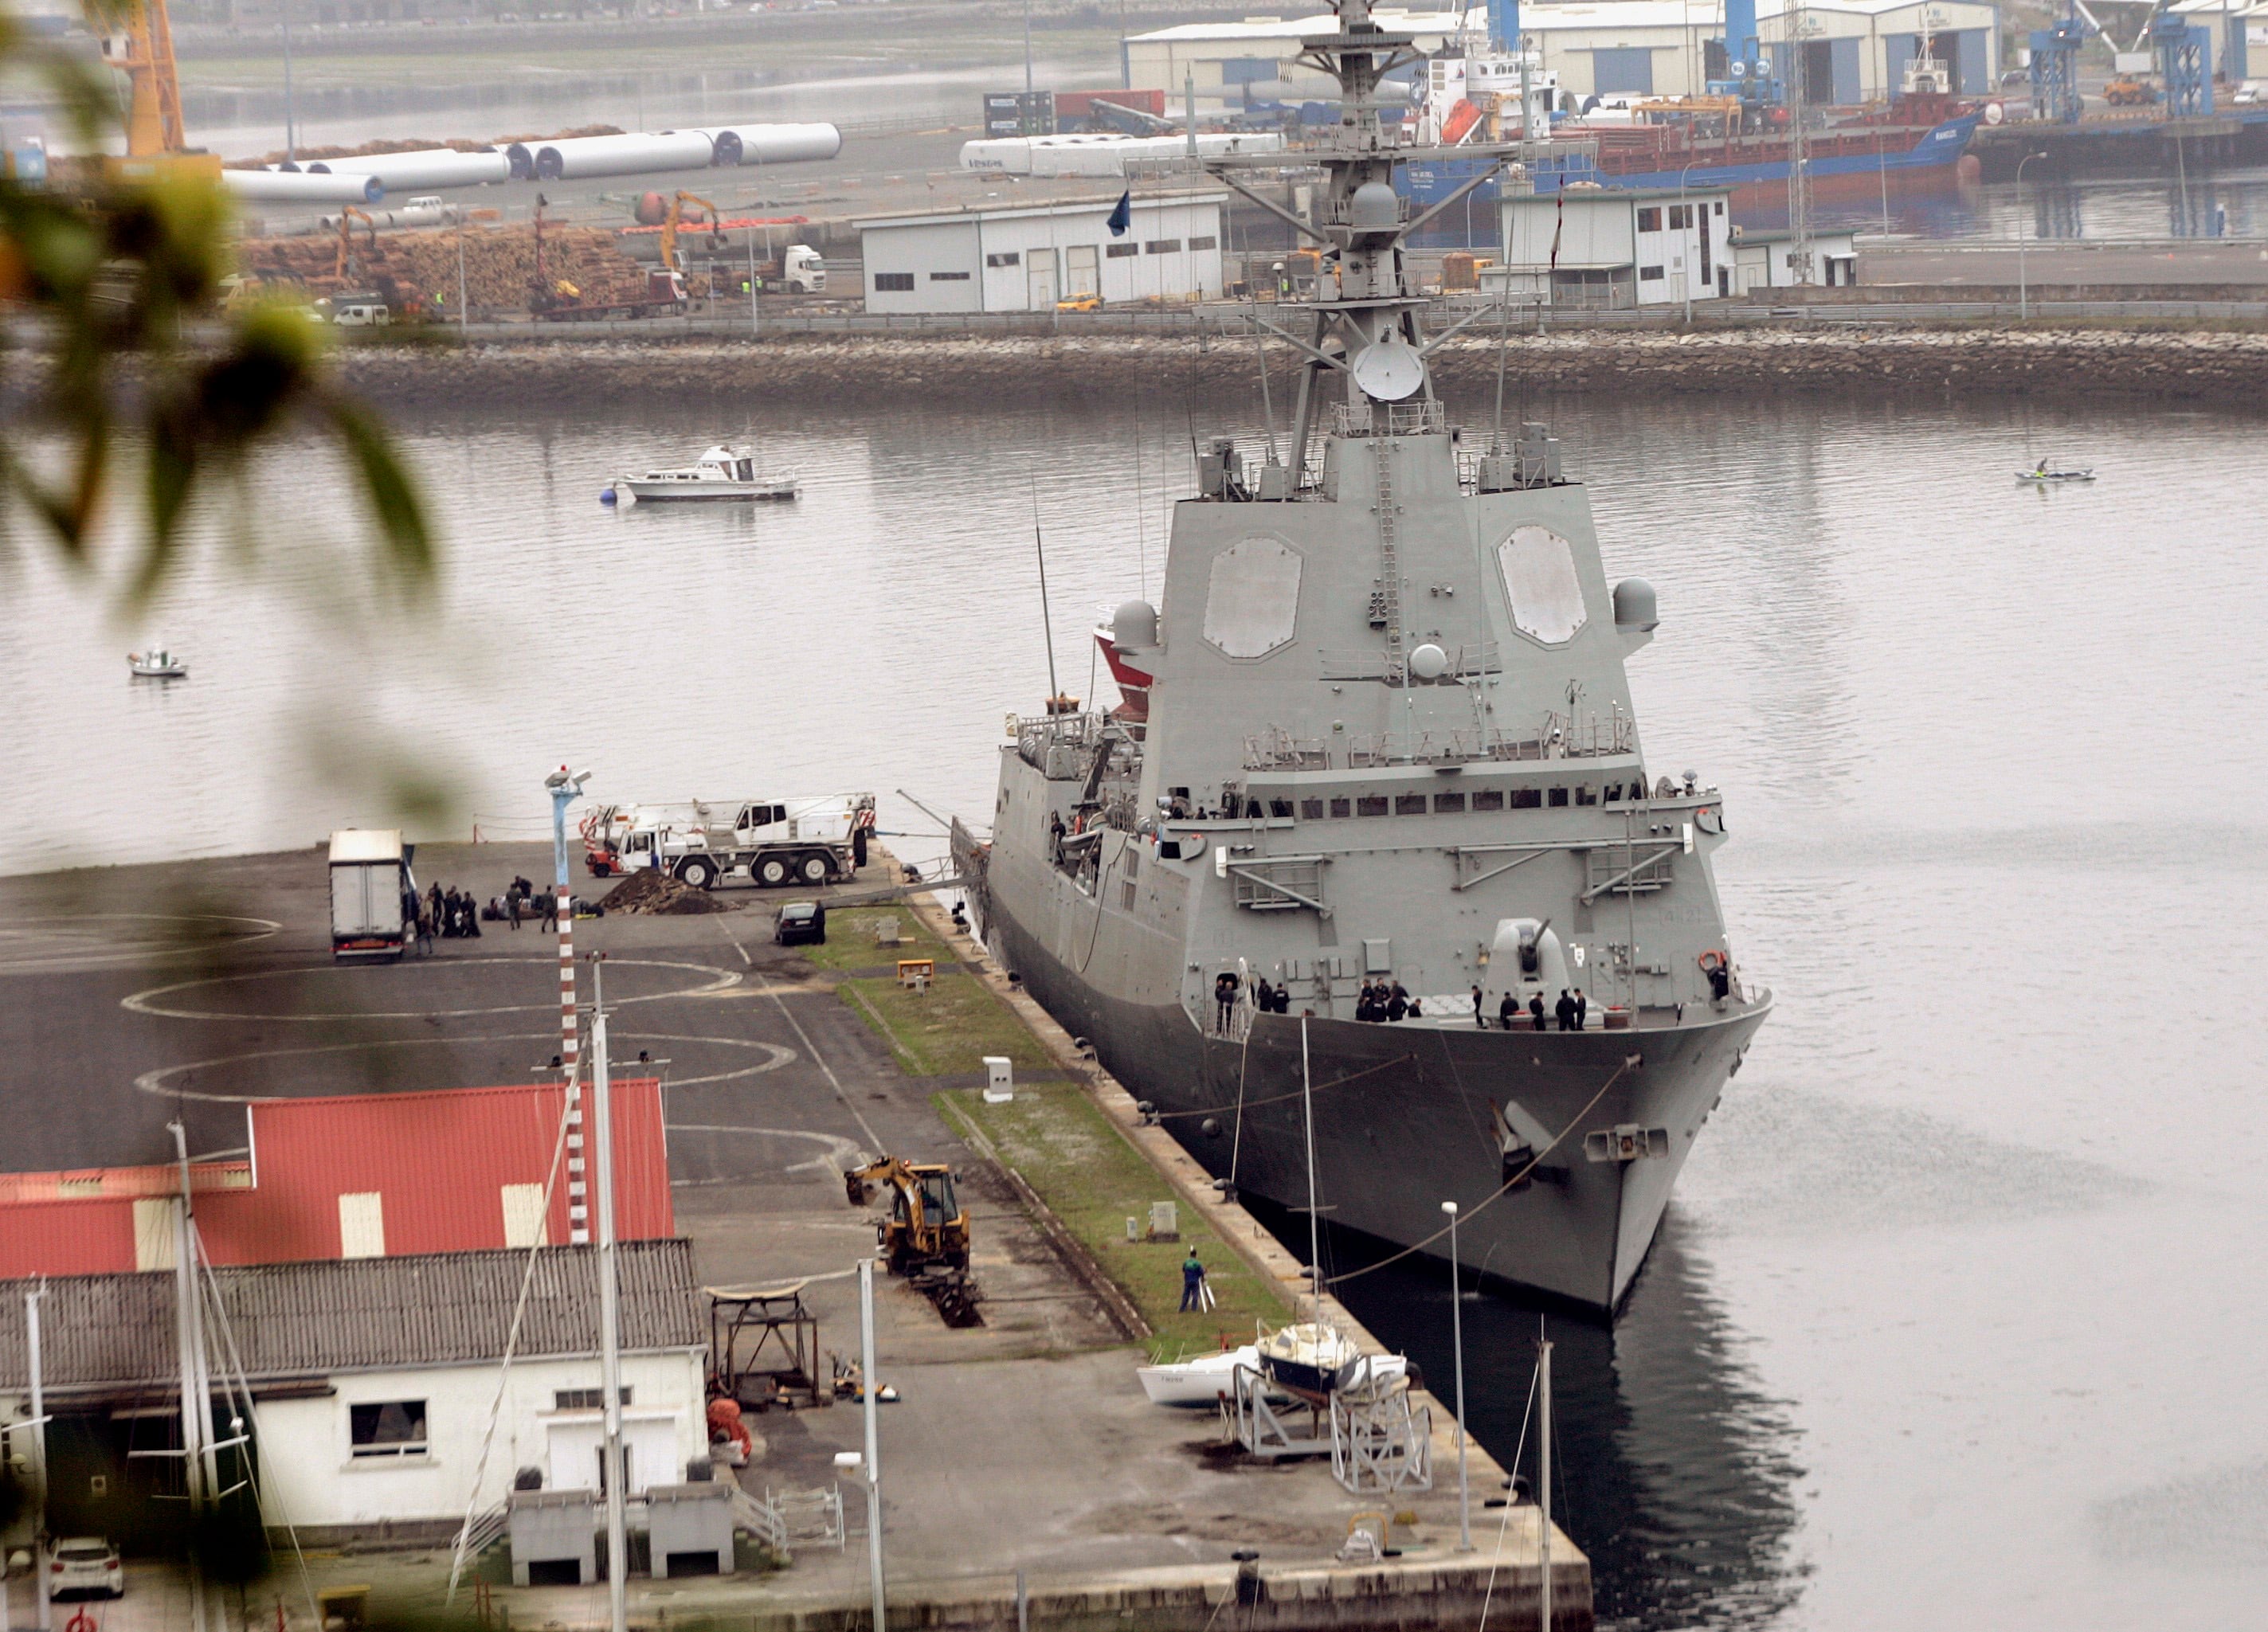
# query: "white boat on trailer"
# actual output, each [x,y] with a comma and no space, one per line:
[722,473]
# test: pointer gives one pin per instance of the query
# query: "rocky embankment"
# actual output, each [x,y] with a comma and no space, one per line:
[2221,367]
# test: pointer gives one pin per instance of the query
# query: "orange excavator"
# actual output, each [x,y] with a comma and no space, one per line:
[670,221]
[347,213]
[138,39]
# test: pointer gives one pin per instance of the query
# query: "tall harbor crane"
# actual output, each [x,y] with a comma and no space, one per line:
[157,141]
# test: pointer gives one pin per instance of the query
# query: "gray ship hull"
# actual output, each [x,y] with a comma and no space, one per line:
[1406,1118]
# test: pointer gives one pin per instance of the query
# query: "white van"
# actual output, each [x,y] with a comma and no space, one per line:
[362,315]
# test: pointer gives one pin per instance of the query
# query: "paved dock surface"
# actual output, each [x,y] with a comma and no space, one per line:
[130,996]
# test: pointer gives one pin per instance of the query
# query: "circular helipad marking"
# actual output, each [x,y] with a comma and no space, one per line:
[42,943]
[158,1083]
[145,1002]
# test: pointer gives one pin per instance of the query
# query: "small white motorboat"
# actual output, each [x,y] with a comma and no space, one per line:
[722,473]
[1198,1382]
[157,663]
[2047,472]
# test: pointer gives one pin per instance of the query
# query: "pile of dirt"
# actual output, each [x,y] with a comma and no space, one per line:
[658,894]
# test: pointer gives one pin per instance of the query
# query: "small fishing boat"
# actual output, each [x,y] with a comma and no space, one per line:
[156,663]
[2047,472]
[1198,1382]
[722,473]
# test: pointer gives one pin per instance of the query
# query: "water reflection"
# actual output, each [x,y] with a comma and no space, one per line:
[1676,1469]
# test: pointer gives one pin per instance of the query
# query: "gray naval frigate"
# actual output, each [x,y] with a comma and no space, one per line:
[1378,735]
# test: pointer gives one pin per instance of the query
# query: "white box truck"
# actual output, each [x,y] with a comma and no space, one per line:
[370,882]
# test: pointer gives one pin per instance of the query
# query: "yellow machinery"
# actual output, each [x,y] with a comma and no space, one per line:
[139,43]
[927,1227]
[347,216]
[669,226]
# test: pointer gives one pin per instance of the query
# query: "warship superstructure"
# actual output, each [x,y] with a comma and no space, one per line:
[1378,739]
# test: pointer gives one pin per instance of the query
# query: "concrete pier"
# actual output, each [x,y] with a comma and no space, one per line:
[130,996]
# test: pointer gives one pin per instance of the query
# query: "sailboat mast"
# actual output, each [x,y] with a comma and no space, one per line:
[196,1392]
[1314,1218]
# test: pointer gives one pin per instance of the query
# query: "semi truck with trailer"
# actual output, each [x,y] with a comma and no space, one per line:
[770,843]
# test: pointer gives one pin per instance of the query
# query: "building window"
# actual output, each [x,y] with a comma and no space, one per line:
[1721,206]
[389,1427]
[1649,219]
[1207,242]
[1119,252]
[901,282]
[1162,246]
[583,1399]
[1649,274]
[1681,217]
[1370,805]
[948,277]
[1004,258]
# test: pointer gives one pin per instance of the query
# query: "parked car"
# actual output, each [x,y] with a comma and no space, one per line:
[1079,303]
[84,1566]
[801,923]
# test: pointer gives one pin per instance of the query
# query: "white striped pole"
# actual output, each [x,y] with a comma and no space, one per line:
[564,789]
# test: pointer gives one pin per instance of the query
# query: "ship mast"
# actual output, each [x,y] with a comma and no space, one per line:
[1363,321]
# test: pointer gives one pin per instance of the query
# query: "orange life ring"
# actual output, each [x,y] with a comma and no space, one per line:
[1710,961]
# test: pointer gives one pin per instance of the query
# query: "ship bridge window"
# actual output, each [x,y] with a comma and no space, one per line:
[1528,798]
[1489,799]
[1448,801]
[1342,808]
[1614,793]
[1558,798]
[1280,807]
[1587,796]
[1409,804]
[1311,810]
[1370,805]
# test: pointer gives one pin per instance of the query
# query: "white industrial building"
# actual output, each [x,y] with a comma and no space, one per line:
[371,1381]
[1025,258]
[1616,248]
[1767,260]
[1852,51]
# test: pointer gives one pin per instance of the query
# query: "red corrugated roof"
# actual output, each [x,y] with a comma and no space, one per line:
[439,1162]
[94,1236]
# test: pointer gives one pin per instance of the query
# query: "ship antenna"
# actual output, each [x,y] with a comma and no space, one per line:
[1503,323]
[1047,625]
[1267,400]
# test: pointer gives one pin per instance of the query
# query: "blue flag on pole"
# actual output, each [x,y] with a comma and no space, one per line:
[1122,214]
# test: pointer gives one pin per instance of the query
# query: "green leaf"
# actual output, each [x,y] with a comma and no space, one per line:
[393,498]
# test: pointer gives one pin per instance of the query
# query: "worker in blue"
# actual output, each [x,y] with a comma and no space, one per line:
[1193,1277]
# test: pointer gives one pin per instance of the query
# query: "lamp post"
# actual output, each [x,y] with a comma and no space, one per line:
[1685,273]
[1457,1330]
[2023,284]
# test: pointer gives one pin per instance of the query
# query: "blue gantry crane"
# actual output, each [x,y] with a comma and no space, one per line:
[2184,53]
[2055,63]
[1748,68]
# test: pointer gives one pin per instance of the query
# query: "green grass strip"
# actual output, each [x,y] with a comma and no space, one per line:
[1092,1179]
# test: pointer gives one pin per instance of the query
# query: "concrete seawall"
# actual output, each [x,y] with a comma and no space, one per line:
[2221,367]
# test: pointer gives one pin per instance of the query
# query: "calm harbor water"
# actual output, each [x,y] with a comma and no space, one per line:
[1954,1319]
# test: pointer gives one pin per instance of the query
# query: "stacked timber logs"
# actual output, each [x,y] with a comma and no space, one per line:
[418,270]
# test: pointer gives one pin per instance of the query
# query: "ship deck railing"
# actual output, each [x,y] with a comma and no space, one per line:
[1371,750]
